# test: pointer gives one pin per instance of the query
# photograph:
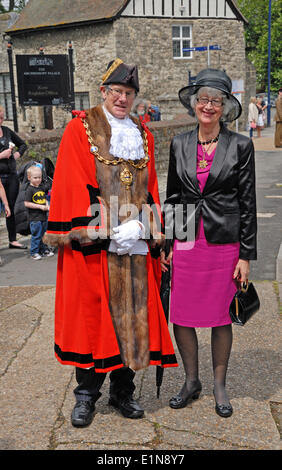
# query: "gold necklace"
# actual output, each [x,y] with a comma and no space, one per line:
[204,163]
[126,176]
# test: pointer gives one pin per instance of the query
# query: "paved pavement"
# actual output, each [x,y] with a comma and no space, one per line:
[36,391]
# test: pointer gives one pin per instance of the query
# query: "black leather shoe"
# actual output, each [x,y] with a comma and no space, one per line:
[180,402]
[128,407]
[223,410]
[83,413]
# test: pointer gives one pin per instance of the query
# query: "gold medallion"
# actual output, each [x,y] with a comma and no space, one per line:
[203,163]
[126,177]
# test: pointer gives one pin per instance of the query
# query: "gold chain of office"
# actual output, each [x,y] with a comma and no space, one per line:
[126,176]
[94,149]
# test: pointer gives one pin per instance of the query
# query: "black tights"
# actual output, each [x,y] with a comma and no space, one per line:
[221,343]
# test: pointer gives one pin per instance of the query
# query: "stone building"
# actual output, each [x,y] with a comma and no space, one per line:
[155,34]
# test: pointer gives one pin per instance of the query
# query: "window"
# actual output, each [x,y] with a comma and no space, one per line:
[81,100]
[5,95]
[181,40]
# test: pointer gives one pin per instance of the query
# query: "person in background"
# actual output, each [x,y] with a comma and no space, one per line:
[9,140]
[140,110]
[213,169]
[260,121]
[4,202]
[278,120]
[253,115]
[154,112]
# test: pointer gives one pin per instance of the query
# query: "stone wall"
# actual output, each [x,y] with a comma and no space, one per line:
[163,132]
[45,143]
[41,144]
[148,42]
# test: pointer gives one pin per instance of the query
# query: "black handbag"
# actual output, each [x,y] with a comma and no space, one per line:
[244,305]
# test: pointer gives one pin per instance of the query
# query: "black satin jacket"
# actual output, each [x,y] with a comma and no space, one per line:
[228,201]
[8,165]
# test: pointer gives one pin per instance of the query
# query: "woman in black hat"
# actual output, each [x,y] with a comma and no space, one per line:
[212,169]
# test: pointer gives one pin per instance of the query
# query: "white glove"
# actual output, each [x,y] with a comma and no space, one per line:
[126,236]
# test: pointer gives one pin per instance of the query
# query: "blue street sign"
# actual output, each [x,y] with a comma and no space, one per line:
[215,48]
[202,48]
[195,49]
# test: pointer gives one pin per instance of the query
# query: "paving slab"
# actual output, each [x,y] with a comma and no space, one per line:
[37,392]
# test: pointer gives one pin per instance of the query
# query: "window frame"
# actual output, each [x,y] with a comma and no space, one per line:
[7,96]
[182,38]
[78,95]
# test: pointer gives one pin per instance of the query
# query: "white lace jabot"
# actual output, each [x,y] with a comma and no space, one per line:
[126,140]
[127,143]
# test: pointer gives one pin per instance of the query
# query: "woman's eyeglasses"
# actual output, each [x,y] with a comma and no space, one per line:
[215,103]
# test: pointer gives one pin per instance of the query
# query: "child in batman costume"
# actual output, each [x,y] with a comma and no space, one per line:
[37,205]
[108,312]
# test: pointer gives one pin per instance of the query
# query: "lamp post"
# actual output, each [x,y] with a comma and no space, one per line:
[12,81]
[269,65]
[71,70]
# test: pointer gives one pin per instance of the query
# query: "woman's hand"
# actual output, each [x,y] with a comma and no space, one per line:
[165,261]
[7,210]
[17,155]
[6,153]
[242,270]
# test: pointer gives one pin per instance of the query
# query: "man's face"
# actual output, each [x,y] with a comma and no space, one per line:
[118,99]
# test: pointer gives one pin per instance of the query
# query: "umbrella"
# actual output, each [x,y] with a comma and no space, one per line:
[165,295]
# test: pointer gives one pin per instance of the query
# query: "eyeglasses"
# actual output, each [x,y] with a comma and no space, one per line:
[117,93]
[215,103]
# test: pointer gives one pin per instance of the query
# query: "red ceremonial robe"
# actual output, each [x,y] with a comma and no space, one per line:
[89,287]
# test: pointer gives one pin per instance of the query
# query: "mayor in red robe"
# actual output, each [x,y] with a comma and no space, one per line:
[105,218]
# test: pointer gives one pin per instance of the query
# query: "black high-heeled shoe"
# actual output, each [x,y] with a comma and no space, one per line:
[180,402]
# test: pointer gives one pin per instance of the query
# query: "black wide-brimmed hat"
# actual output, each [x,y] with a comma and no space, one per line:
[212,78]
[121,73]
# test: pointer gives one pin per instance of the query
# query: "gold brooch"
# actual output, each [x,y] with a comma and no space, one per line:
[203,163]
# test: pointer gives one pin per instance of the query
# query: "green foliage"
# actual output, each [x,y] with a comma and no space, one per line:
[12,5]
[256,34]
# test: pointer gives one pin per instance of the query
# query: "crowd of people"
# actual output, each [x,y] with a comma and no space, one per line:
[114,243]
[257,115]
[145,111]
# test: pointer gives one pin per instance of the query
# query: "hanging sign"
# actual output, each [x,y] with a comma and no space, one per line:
[43,80]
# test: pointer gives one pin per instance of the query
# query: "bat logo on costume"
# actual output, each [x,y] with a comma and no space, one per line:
[39,197]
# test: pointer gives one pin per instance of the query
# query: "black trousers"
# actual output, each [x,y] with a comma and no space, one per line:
[11,186]
[90,382]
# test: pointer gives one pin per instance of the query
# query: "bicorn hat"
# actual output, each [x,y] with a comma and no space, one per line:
[212,78]
[121,73]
